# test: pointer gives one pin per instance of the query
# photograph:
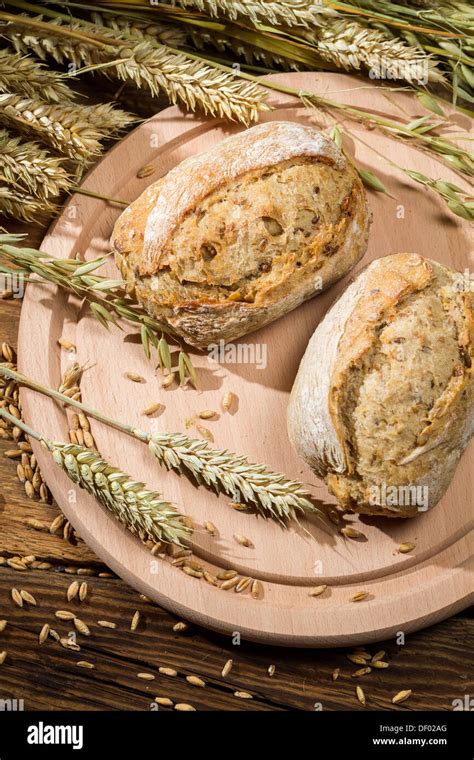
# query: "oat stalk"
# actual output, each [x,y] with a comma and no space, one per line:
[459,201]
[107,298]
[142,511]
[271,494]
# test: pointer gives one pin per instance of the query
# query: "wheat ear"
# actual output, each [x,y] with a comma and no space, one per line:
[65,128]
[28,167]
[32,180]
[350,45]
[202,39]
[165,34]
[142,511]
[130,56]
[24,75]
[28,208]
[270,493]
[303,13]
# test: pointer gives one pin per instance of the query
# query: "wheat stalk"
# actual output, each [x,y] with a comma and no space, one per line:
[32,180]
[142,511]
[166,34]
[63,127]
[107,119]
[130,56]
[25,76]
[201,39]
[191,82]
[28,167]
[350,45]
[270,493]
[302,13]
[21,205]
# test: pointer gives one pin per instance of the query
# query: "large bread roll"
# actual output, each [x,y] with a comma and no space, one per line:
[382,406]
[231,239]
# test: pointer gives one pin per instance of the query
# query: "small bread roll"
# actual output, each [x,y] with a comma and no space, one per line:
[382,405]
[234,238]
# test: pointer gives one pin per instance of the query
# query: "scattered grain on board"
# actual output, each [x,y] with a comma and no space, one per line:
[145,171]
[349,532]
[226,585]
[72,591]
[169,380]
[360,695]
[359,596]
[16,596]
[168,672]
[243,540]
[317,590]
[210,527]
[195,681]
[401,696]
[180,627]
[257,589]
[27,597]
[152,409]
[227,400]
[207,414]
[134,377]
[106,624]
[81,627]
[361,672]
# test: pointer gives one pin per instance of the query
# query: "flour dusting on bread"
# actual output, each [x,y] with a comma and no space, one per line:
[232,239]
[195,177]
[383,404]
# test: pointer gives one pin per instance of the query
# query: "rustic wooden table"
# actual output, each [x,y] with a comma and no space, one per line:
[436,664]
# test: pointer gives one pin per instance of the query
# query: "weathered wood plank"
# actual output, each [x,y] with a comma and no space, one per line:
[435,663]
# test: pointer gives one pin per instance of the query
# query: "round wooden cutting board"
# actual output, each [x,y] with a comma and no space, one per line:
[406,591]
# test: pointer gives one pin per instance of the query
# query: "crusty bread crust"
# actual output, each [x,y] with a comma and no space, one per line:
[234,238]
[384,395]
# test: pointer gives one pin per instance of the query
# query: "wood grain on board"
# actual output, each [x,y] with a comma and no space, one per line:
[405,591]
